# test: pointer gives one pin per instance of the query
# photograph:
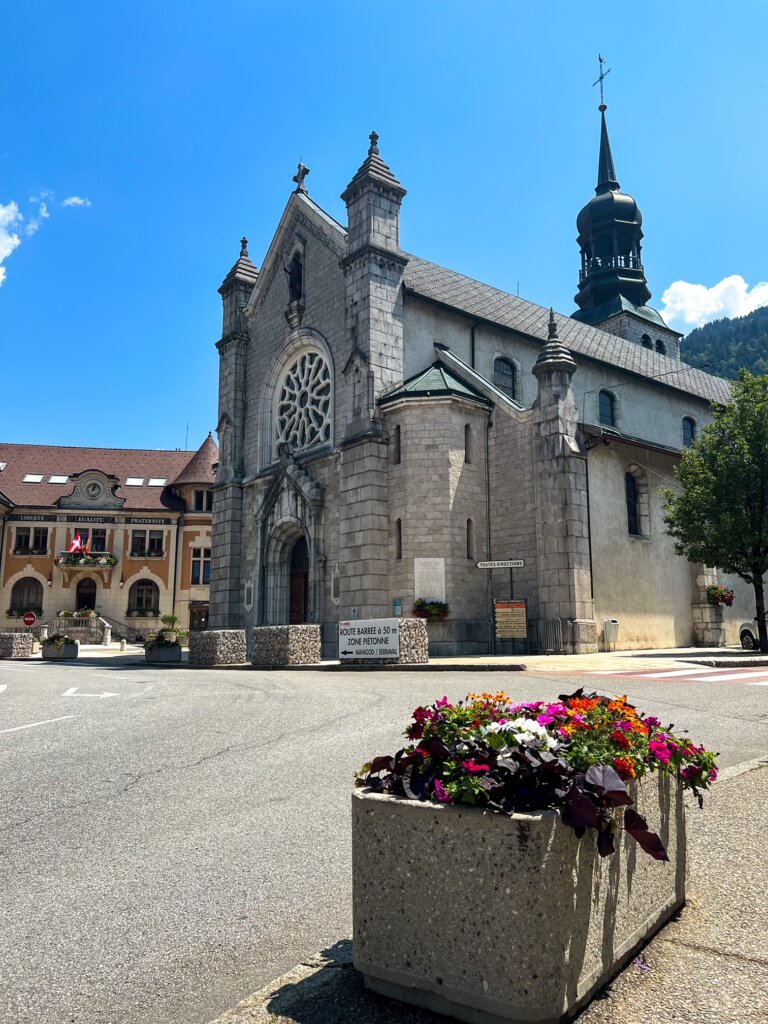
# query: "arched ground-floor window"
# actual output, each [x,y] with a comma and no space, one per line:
[27,596]
[144,598]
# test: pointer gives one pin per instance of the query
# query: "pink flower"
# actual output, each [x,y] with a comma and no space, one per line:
[654,723]
[443,703]
[713,775]
[473,767]
[659,749]
[545,719]
[442,794]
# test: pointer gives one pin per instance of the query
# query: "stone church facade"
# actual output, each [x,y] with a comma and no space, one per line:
[385,423]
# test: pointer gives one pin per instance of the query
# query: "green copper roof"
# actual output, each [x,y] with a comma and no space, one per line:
[436,380]
[618,304]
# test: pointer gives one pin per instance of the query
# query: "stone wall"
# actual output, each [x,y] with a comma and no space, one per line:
[217,647]
[16,645]
[273,646]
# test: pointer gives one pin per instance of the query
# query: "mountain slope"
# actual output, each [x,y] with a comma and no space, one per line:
[730,344]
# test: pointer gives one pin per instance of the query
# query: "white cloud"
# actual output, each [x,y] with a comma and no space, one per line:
[42,214]
[76,201]
[9,240]
[686,306]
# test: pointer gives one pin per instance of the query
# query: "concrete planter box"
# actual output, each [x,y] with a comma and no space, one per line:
[492,919]
[65,652]
[162,655]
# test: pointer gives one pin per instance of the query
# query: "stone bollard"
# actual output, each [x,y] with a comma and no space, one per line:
[107,640]
[122,645]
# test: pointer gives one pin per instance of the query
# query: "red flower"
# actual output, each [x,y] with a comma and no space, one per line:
[473,767]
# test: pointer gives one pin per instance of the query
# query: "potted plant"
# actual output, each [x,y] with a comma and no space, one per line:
[500,813]
[59,647]
[169,621]
[159,650]
[719,595]
[432,611]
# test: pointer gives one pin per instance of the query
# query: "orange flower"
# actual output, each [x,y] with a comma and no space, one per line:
[624,767]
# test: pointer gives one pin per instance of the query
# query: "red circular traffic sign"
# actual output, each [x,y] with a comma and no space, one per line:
[29,619]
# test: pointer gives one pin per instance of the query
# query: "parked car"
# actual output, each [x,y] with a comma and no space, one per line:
[748,635]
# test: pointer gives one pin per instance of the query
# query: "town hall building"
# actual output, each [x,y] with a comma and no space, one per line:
[385,424]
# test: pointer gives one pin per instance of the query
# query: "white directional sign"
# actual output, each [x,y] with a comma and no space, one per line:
[369,639]
[504,563]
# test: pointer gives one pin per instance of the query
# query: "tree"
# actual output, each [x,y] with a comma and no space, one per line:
[721,516]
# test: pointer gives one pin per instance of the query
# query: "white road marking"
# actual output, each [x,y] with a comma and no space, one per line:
[725,676]
[757,684]
[3,686]
[72,692]
[677,672]
[32,725]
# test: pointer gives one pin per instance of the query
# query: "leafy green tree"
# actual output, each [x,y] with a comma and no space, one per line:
[721,516]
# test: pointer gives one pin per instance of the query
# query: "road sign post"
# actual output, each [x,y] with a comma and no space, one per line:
[29,620]
[501,563]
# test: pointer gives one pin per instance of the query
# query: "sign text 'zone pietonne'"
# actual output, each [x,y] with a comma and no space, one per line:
[369,638]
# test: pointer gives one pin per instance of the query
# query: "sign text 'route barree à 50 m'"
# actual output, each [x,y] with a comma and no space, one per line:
[369,638]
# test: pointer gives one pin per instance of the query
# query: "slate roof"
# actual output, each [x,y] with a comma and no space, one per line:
[436,380]
[50,460]
[495,306]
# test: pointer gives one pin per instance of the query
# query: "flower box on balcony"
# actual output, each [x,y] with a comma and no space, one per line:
[490,917]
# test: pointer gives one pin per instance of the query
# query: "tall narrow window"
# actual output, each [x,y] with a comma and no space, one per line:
[40,539]
[155,543]
[209,501]
[22,539]
[396,451]
[199,500]
[633,512]
[201,566]
[99,540]
[470,539]
[505,376]
[138,543]
[467,443]
[689,431]
[607,409]
[398,539]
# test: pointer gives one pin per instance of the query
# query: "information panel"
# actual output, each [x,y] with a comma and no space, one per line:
[429,578]
[511,620]
[369,639]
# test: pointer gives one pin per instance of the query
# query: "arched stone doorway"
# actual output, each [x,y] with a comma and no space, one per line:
[85,595]
[299,585]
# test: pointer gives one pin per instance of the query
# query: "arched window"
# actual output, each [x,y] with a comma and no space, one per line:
[689,431]
[661,347]
[143,598]
[636,497]
[467,443]
[470,539]
[396,449]
[27,595]
[398,539]
[607,409]
[505,376]
[647,343]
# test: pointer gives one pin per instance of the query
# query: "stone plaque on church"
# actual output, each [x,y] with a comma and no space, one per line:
[429,579]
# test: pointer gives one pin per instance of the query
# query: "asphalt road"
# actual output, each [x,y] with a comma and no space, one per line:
[168,849]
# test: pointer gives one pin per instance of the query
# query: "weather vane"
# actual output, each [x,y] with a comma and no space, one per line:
[601,78]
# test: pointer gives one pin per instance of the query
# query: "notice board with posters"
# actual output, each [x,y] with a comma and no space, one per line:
[511,619]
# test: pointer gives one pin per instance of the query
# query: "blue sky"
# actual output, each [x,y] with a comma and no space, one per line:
[173,128]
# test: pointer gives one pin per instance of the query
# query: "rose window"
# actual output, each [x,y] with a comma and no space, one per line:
[304,406]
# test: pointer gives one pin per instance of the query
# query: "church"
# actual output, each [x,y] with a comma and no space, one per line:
[386,424]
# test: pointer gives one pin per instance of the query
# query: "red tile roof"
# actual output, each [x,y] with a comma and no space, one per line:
[51,460]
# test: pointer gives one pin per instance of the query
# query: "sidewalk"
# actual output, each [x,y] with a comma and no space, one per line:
[710,966]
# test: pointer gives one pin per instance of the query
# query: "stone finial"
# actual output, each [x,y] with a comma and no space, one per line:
[552,336]
[299,177]
[374,147]
[553,355]
[243,246]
